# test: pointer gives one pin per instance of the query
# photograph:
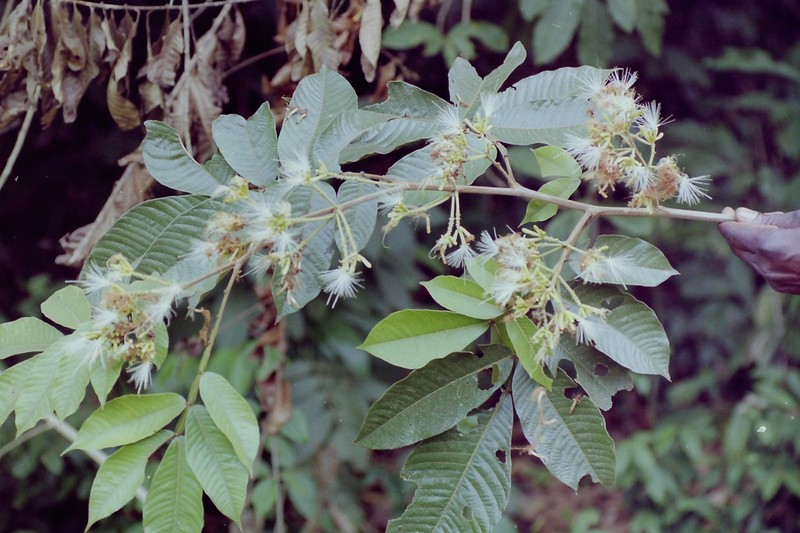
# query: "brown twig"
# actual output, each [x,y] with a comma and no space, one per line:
[166,7]
[23,133]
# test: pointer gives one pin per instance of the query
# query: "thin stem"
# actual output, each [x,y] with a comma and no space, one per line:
[166,7]
[187,57]
[21,135]
[190,399]
[250,60]
[570,244]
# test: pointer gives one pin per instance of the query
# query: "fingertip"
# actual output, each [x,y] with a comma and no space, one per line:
[744,214]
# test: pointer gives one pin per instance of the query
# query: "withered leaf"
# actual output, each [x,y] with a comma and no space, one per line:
[320,38]
[71,71]
[122,110]
[161,68]
[11,107]
[399,14]
[369,37]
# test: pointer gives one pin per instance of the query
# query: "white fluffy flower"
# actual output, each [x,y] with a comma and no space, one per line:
[589,329]
[340,283]
[639,177]
[692,190]
[97,280]
[584,151]
[140,375]
[296,172]
[161,309]
[457,257]
[451,120]
[89,349]
[487,245]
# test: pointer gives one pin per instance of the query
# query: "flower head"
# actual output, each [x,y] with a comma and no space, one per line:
[451,120]
[457,257]
[692,190]
[340,282]
[140,375]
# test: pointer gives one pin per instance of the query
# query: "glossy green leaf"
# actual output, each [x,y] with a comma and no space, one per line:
[232,415]
[175,500]
[168,161]
[414,116]
[215,464]
[462,296]
[121,475]
[596,35]
[624,13]
[629,333]
[316,102]
[26,335]
[412,338]
[67,307]
[360,218]
[599,376]
[571,445]
[521,333]
[432,399]
[463,479]
[250,146]
[127,419]
[156,234]
[539,210]
[624,261]
[555,162]
[554,30]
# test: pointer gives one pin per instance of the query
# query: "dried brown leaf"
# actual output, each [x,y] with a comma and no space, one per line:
[130,190]
[399,14]
[369,37]
[300,28]
[152,96]
[12,107]
[16,41]
[71,70]
[122,110]
[320,38]
[278,403]
[162,67]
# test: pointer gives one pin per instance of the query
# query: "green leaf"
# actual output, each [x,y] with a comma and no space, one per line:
[12,381]
[215,464]
[570,445]
[175,500]
[650,24]
[520,332]
[360,218]
[414,115]
[462,296]
[170,164]
[412,338]
[33,402]
[316,259]
[26,335]
[463,480]
[317,101]
[69,384]
[532,8]
[599,376]
[555,162]
[496,78]
[67,307]
[127,419]
[489,35]
[156,234]
[345,129]
[624,261]
[629,333]
[411,34]
[624,13]
[553,32]
[752,61]
[483,270]
[539,210]
[250,146]
[104,378]
[232,415]
[596,35]
[432,399]
[121,475]
[301,487]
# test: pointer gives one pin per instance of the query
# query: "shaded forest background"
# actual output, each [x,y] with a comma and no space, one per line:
[716,449]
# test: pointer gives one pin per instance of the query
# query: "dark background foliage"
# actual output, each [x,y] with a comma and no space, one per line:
[716,449]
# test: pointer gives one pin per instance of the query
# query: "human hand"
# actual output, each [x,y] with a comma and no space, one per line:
[768,242]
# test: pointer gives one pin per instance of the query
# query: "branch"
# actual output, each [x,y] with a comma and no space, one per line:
[23,132]
[166,7]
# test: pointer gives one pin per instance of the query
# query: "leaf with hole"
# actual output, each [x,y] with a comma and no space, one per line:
[599,376]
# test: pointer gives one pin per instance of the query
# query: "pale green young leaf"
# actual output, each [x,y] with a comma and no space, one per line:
[624,261]
[360,218]
[215,464]
[12,380]
[175,500]
[596,35]
[33,403]
[463,479]
[539,210]
[250,146]
[599,376]
[67,307]
[624,13]
[629,333]
[155,235]
[563,83]
[161,344]
[26,335]
[104,378]
[345,129]
[432,399]
[121,475]
[462,296]
[317,101]
[483,270]
[555,162]
[414,115]
[127,419]
[69,384]
[554,30]
[571,445]
[168,161]
[520,333]
[412,338]
[232,415]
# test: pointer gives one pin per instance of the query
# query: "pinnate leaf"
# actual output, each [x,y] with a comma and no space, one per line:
[571,445]
[121,475]
[412,338]
[127,419]
[432,399]
[232,415]
[463,479]
[175,500]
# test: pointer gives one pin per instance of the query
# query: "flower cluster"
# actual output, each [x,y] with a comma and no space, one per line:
[619,146]
[125,321]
